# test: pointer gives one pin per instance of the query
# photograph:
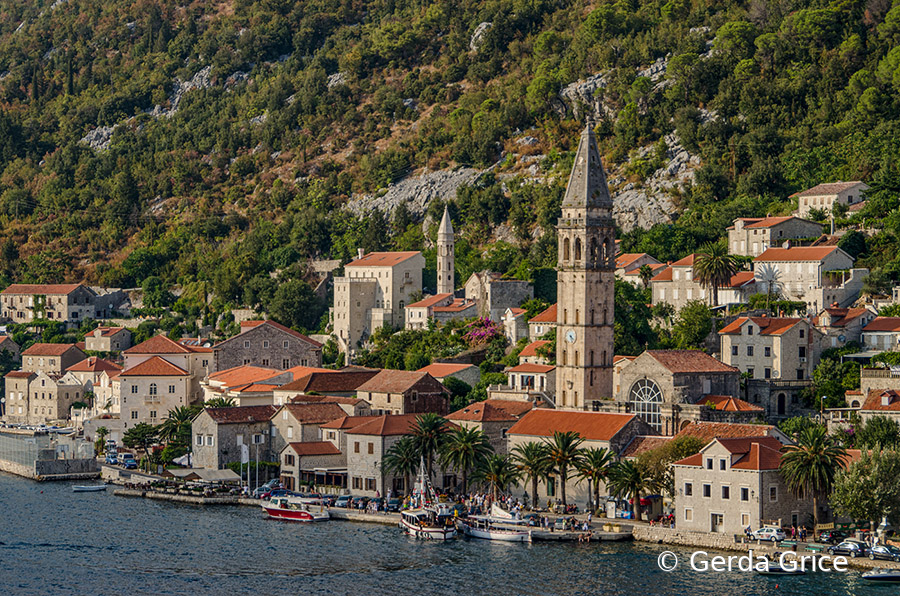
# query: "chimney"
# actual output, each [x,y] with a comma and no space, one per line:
[360,252]
[886,398]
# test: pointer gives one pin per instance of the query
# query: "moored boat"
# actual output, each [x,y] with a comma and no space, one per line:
[775,568]
[294,509]
[89,489]
[429,519]
[882,576]
[491,528]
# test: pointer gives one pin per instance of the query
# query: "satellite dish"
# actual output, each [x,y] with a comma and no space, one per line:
[841,338]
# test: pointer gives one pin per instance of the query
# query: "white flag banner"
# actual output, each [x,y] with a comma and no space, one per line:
[245,454]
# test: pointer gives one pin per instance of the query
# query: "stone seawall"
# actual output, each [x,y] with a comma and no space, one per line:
[17,469]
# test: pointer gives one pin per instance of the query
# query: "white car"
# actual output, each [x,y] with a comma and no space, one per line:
[772,534]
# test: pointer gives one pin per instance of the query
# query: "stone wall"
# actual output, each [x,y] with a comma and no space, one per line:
[63,467]
[661,535]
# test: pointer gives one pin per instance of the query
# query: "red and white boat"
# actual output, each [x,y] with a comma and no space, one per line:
[294,509]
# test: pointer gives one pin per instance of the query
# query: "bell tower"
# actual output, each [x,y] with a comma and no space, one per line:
[445,256]
[585,283]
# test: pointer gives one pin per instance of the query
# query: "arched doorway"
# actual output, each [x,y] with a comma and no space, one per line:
[645,399]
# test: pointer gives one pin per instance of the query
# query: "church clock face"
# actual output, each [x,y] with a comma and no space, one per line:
[570,336]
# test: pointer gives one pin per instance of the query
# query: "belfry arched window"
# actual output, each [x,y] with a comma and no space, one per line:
[578,249]
[645,398]
[566,250]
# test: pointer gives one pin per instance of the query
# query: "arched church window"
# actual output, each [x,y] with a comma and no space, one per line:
[566,250]
[578,249]
[645,398]
[593,249]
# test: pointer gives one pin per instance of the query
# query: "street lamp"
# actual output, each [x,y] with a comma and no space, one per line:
[822,409]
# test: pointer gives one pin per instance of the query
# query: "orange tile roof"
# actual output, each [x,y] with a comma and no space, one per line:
[840,317]
[107,331]
[430,300]
[158,344]
[155,367]
[726,403]
[241,414]
[458,305]
[492,410]
[664,275]
[760,452]
[767,325]
[642,444]
[315,413]
[883,324]
[19,374]
[532,348]
[41,289]
[828,188]
[619,358]
[302,371]
[245,374]
[516,311]
[740,279]
[347,422]
[874,400]
[400,381]
[625,259]
[798,253]
[769,222]
[258,388]
[48,349]
[315,448]
[439,370]
[269,322]
[654,267]
[689,361]
[687,261]
[527,367]
[592,426]
[94,364]
[707,431]
[547,316]
[384,426]
[383,259]
[331,381]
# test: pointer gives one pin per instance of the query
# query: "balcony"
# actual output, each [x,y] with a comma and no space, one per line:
[151,399]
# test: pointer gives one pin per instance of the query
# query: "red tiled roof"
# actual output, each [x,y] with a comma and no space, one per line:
[155,367]
[883,324]
[592,426]
[858,206]
[317,413]
[664,275]
[726,403]
[874,400]
[767,325]
[335,381]
[798,253]
[689,361]
[768,222]
[347,422]
[687,261]
[458,305]
[241,414]
[301,371]
[430,301]
[515,312]
[619,358]
[315,448]
[547,316]
[258,388]
[654,268]
[383,259]
[828,188]
[759,452]
[841,317]
[400,381]
[107,331]
[337,399]
[527,367]
[297,334]
[625,259]
[94,364]
[48,349]
[492,410]
[532,348]
[642,444]
[245,374]
[19,374]
[384,426]
[158,344]
[439,370]
[41,289]
[740,279]
[707,431]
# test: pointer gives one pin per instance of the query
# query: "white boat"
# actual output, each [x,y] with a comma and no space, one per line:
[775,568]
[500,512]
[492,528]
[882,576]
[429,520]
[294,509]
[89,489]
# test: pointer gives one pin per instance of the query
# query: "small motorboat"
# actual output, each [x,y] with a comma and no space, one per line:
[882,576]
[775,568]
[94,488]
[493,528]
[294,509]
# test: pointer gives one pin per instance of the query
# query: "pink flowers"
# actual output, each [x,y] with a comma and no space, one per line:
[481,331]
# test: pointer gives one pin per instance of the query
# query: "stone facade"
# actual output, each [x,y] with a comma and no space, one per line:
[108,339]
[514,325]
[403,392]
[825,196]
[149,390]
[542,323]
[267,344]
[493,295]
[301,423]
[882,334]
[70,303]
[445,256]
[772,348]
[302,463]
[218,435]
[842,325]
[802,274]
[751,237]
[41,398]
[196,360]
[52,359]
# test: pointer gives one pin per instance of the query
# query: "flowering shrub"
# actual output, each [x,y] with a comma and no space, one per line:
[481,331]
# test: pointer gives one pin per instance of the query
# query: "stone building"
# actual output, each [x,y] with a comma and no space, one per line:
[676,285]
[825,196]
[585,282]
[534,353]
[419,313]
[300,423]
[628,262]
[445,256]
[338,383]
[373,293]
[542,323]
[404,392]
[41,397]
[53,359]
[70,303]
[467,373]
[8,345]
[15,409]
[93,374]
[313,463]
[246,385]
[752,236]
[735,483]
[108,339]
[150,389]
[219,435]
[493,295]
[772,347]
[195,359]
[336,431]
[515,327]
[842,325]
[493,417]
[267,344]
[882,334]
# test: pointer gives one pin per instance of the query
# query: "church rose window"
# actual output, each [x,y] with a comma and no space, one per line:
[645,399]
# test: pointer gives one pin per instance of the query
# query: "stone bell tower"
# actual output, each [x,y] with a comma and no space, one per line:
[445,257]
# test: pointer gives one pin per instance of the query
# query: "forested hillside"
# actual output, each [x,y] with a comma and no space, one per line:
[213,144]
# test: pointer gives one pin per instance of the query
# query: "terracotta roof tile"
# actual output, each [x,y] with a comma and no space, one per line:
[687,261]
[158,344]
[828,188]
[241,414]
[875,400]
[245,374]
[841,317]
[155,367]
[664,275]
[107,331]
[19,374]
[883,324]
[759,457]
[94,364]
[798,253]
[41,289]
[527,367]
[439,370]
[767,325]
[348,422]
[458,305]
[318,413]
[547,316]
[315,448]
[654,269]
[297,334]
[431,300]
[625,259]
[400,381]
[258,388]
[492,410]
[592,426]
[383,426]
[726,403]
[333,381]
[768,222]
[383,259]
[689,361]
[643,443]
[741,279]
[707,431]
[532,348]
[48,349]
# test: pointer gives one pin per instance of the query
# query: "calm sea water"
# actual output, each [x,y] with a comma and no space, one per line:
[54,541]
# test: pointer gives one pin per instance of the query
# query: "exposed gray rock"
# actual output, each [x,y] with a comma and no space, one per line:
[478,35]
[527,141]
[655,71]
[410,103]
[99,138]
[416,192]
[261,119]
[580,96]
[336,79]
[237,77]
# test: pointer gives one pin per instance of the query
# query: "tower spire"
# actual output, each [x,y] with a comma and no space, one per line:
[587,183]
[445,256]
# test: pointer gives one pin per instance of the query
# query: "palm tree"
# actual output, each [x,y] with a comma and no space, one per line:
[219,402]
[714,267]
[497,472]
[402,459]
[563,452]
[768,274]
[463,450]
[627,479]
[646,274]
[594,467]
[531,459]
[99,439]
[810,466]
[429,435]
[175,423]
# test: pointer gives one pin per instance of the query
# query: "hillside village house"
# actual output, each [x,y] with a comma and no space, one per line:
[534,383]
[752,236]
[219,435]
[8,345]
[314,462]
[772,347]
[372,293]
[494,295]
[88,371]
[514,324]
[150,389]
[676,285]
[40,398]
[18,396]
[335,383]
[51,358]
[267,344]
[817,275]
[541,324]
[95,375]
[735,483]
[299,423]
[70,303]
[247,385]
[335,431]
[825,196]
[194,359]
[439,308]
[108,339]
[404,392]
[467,373]
[882,334]
[493,417]
[533,353]
[598,429]
[628,262]
[842,325]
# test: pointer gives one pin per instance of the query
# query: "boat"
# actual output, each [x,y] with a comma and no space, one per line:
[775,568]
[429,519]
[94,488]
[500,512]
[294,509]
[882,576]
[492,528]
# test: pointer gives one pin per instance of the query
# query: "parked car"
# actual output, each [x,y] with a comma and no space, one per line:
[269,486]
[112,459]
[885,552]
[393,505]
[772,534]
[849,547]
[833,536]
[343,501]
[127,461]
